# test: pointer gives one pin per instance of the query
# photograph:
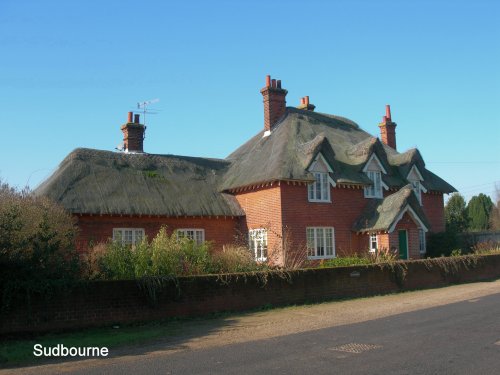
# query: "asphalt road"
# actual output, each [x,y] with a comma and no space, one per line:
[456,338]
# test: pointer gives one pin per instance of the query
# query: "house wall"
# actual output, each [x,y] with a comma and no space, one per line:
[346,206]
[407,223]
[94,229]
[383,242]
[262,207]
[265,206]
[433,205]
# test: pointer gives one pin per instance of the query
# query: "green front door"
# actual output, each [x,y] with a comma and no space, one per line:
[403,244]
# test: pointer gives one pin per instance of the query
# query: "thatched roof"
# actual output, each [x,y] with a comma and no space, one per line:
[382,214]
[301,134]
[104,182]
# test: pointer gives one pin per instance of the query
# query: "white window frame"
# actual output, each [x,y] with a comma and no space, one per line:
[257,242]
[417,190]
[128,236]
[373,240]
[415,179]
[195,234]
[374,190]
[375,175]
[422,241]
[320,243]
[319,190]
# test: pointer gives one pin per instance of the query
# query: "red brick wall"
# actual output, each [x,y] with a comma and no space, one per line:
[104,303]
[95,229]
[262,207]
[346,206]
[383,242]
[433,205]
[412,235]
[265,205]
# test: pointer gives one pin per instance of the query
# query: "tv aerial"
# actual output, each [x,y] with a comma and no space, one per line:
[144,108]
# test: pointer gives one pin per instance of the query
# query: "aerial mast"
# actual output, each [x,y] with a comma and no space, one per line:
[144,107]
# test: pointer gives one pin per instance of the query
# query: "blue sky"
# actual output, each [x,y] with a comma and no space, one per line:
[70,71]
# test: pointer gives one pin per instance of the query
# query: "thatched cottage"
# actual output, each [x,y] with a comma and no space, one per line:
[316,180]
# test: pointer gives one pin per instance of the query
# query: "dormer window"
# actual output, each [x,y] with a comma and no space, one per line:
[375,190]
[417,190]
[319,190]
[374,169]
[415,178]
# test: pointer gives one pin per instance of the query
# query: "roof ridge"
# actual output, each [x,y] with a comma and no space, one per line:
[79,150]
[328,116]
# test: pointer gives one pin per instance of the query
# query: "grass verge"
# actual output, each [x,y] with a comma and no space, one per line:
[18,351]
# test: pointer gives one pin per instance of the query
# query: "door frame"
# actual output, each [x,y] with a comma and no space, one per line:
[399,243]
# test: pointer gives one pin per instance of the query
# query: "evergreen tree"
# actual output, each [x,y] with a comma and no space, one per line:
[456,214]
[495,212]
[478,212]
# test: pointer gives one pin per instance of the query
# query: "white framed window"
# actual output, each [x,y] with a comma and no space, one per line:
[374,190]
[128,236]
[196,235]
[319,190]
[417,190]
[373,242]
[415,179]
[320,242]
[422,244]
[257,241]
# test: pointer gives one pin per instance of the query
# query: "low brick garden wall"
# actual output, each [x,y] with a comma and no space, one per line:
[102,303]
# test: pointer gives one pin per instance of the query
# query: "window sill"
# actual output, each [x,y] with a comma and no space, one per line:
[318,201]
[323,257]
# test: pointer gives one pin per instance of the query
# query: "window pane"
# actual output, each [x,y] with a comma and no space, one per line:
[138,236]
[378,184]
[320,242]
[318,185]
[373,242]
[324,186]
[258,243]
[199,237]
[421,235]
[329,241]
[264,245]
[127,236]
[319,189]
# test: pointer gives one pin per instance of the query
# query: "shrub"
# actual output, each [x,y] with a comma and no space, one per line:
[165,255]
[441,244]
[117,262]
[345,261]
[486,247]
[384,255]
[234,259]
[180,257]
[37,252]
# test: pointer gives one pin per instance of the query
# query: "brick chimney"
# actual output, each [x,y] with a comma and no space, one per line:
[133,134]
[304,104]
[388,128]
[274,102]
